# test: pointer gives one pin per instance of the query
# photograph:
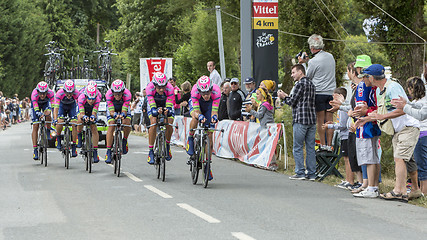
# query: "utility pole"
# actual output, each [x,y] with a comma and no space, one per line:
[97,34]
[220,41]
[245,40]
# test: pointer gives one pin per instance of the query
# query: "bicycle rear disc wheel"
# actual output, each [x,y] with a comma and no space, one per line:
[194,168]
[206,163]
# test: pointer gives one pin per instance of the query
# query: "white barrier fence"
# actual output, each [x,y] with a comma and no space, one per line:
[245,141]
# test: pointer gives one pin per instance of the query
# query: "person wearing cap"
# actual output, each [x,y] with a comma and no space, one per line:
[406,128]
[250,89]
[321,70]
[214,75]
[367,137]
[235,100]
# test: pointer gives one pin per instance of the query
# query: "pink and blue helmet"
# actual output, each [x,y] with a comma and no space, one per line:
[159,79]
[204,84]
[42,87]
[118,86]
[69,86]
[91,92]
[92,83]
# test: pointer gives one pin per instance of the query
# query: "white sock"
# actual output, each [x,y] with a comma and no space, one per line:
[372,189]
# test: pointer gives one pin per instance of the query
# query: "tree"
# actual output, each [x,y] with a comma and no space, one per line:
[406,60]
[23,34]
[375,51]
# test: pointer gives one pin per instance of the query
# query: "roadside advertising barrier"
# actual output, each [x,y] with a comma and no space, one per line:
[241,140]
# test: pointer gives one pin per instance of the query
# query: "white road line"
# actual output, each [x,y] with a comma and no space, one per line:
[242,236]
[141,152]
[157,191]
[133,177]
[198,213]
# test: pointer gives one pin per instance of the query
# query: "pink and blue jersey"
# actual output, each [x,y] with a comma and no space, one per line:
[196,97]
[156,100]
[118,106]
[60,97]
[365,94]
[36,101]
[82,102]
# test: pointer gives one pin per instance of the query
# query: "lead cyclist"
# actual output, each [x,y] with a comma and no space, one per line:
[41,99]
[204,103]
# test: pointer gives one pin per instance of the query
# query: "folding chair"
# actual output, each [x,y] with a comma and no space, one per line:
[327,161]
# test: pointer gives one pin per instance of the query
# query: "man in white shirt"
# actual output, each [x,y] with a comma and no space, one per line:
[214,75]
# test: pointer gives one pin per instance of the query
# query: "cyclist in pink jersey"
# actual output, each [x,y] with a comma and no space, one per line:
[204,103]
[88,103]
[41,99]
[65,104]
[118,102]
[160,98]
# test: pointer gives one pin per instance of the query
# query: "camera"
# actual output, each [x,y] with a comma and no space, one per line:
[302,55]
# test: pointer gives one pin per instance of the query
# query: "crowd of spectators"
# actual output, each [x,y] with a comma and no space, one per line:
[377,105]
[13,110]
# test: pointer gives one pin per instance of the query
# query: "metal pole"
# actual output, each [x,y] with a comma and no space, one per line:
[97,34]
[220,41]
[245,40]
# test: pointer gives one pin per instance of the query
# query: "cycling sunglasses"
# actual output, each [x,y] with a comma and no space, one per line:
[205,93]
[88,98]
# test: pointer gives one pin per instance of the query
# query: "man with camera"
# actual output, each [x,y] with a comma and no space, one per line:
[321,71]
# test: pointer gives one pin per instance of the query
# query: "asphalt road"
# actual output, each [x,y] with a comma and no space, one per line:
[242,202]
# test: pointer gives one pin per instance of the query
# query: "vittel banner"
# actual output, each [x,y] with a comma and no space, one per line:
[265,15]
[149,66]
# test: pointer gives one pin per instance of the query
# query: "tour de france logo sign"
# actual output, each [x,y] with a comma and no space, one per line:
[265,40]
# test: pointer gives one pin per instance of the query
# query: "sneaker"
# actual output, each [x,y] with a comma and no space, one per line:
[168,150]
[79,140]
[95,156]
[190,146]
[108,156]
[310,178]
[58,143]
[150,157]
[125,146]
[354,186]
[415,194]
[297,177]
[343,185]
[367,194]
[73,150]
[358,190]
[36,154]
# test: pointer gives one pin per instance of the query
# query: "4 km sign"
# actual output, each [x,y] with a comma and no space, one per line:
[265,14]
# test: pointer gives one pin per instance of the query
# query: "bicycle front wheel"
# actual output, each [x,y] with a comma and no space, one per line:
[67,147]
[44,145]
[206,161]
[89,154]
[118,152]
[162,162]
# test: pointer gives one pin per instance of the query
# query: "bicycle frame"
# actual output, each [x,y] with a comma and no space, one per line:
[42,142]
[117,145]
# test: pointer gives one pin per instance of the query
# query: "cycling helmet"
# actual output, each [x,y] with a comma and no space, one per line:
[91,92]
[118,86]
[92,83]
[204,84]
[69,86]
[159,79]
[42,87]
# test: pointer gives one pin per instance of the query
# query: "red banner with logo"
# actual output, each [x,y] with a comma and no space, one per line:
[155,65]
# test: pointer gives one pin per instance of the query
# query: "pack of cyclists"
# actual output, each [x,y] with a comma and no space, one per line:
[82,106]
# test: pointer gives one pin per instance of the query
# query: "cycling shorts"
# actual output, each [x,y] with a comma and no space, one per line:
[69,110]
[205,110]
[43,107]
[161,104]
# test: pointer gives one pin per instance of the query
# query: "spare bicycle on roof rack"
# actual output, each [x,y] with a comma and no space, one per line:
[104,63]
